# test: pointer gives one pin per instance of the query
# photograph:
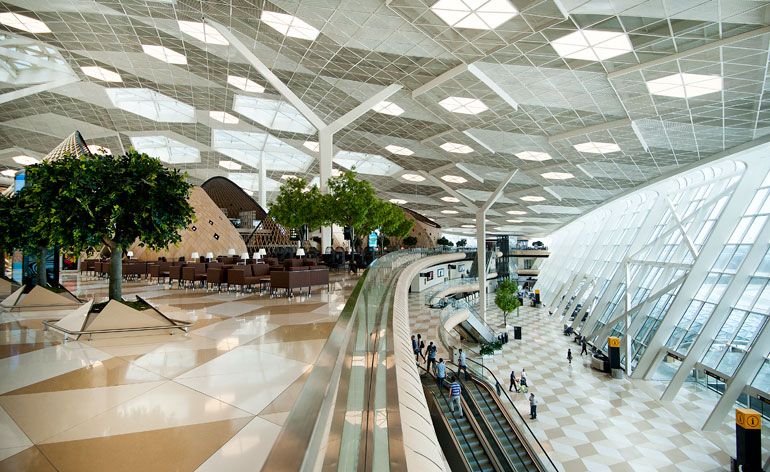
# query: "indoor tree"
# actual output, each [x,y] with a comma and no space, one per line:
[462,243]
[443,241]
[410,241]
[114,201]
[506,297]
[26,235]
[352,202]
[10,229]
[297,205]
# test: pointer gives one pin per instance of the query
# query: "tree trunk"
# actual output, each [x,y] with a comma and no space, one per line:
[42,276]
[2,263]
[116,274]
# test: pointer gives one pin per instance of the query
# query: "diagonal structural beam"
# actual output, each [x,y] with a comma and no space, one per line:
[25,92]
[479,74]
[436,81]
[470,206]
[362,108]
[590,129]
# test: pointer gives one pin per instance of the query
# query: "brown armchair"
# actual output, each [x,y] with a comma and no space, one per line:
[238,277]
[215,275]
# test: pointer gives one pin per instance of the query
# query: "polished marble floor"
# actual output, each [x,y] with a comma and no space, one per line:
[590,422]
[213,399]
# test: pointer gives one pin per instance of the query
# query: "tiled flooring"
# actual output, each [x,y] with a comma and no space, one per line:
[590,422]
[214,399]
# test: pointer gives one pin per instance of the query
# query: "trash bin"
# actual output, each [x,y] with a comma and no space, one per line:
[517,332]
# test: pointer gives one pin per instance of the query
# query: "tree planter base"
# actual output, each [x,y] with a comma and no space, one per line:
[7,286]
[33,298]
[115,319]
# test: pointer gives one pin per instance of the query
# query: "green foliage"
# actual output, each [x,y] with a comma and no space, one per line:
[410,241]
[352,202]
[487,349]
[462,243]
[298,205]
[506,297]
[443,241]
[12,224]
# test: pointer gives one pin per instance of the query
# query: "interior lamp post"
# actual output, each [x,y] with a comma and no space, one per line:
[245,256]
[195,256]
[262,253]
[300,253]
[209,256]
[130,254]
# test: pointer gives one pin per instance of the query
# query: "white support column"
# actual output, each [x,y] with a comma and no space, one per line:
[745,373]
[714,323]
[736,204]
[325,151]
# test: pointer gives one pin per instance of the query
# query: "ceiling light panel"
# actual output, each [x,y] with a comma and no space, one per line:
[251,147]
[388,108]
[514,221]
[289,25]
[223,117]
[25,160]
[290,176]
[533,156]
[400,150]
[312,145]
[516,212]
[592,45]
[250,181]
[466,106]
[474,14]
[372,164]
[101,73]
[202,32]
[456,148]
[413,177]
[273,114]
[450,212]
[685,85]
[532,198]
[593,147]
[166,149]
[152,105]
[96,149]
[164,54]
[24,23]
[557,175]
[230,165]
[455,179]
[467,226]
[247,85]
[450,199]
[397,201]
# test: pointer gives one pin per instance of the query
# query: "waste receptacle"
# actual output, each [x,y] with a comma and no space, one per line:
[517,332]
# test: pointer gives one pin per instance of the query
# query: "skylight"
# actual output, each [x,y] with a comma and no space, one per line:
[202,32]
[474,14]
[516,212]
[230,165]
[466,106]
[373,164]
[450,199]
[273,114]
[312,145]
[9,173]
[101,73]
[249,182]
[25,160]
[152,105]
[247,85]
[401,151]
[388,108]
[455,179]
[514,221]
[289,25]
[557,175]
[24,23]
[467,226]
[164,54]
[593,147]
[413,177]
[456,148]
[531,198]
[397,201]
[224,117]
[449,212]
[166,149]
[249,147]
[288,176]
[533,156]
[96,149]
[592,45]
[685,85]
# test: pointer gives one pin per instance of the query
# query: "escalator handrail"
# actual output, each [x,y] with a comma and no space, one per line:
[446,422]
[454,417]
[539,444]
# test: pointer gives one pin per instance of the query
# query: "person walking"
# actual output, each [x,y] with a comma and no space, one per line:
[421,346]
[513,385]
[454,396]
[584,344]
[532,406]
[569,355]
[416,349]
[523,378]
[462,364]
[431,355]
[440,372]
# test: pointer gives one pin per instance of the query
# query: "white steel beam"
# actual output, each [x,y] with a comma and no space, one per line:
[493,86]
[325,152]
[362,108]
[436,81]
[589,129]
[682,229]
[27,91]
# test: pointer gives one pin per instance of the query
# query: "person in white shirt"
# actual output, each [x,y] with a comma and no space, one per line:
[462,364]
[523,379]
[532,406]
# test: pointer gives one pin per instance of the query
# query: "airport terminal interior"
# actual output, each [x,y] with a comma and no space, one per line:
[384,235]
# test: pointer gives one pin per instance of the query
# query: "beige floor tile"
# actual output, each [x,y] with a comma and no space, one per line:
[293,333]
[170,364]
[303,351]
[246,451]
[29,459]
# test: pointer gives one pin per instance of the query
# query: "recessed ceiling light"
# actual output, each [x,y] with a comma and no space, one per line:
[289,25]
[413,177]
[449,212]
[230,165]
[312,145]
[364,163]
[203,32]
[151,105]
[593,147]
[685,85]
[25,160]
[166,150]
[530,198]
[514,221]
[467,226]
[397,201]
[272,113]
[96,149]
[533,156]
[101,73]
[288,176]
[476,14]
[516,212]
[388,108]
[223,117]
[24,23]
[164,54]
[455,179]
[592,45]
[401,151]
[466,106]
[557,175]
[450,199]
[8,173]
[247,85]
[456,148]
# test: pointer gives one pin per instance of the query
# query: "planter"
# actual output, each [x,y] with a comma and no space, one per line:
[35,297]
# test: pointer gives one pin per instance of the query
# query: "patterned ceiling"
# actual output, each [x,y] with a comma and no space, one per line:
[147,74]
